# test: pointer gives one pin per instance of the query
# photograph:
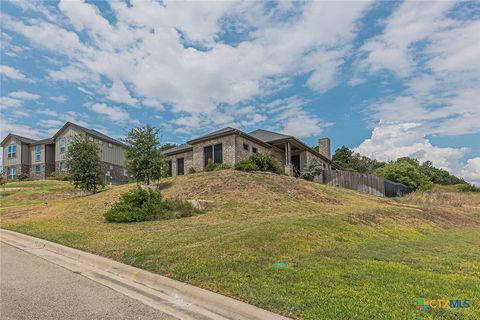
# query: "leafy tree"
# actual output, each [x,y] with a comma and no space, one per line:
[167,146]
[405,172]
[143,153]
[84,166]
[313,168]
[351,161]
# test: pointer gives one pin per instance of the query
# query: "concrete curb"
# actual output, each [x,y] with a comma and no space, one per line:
[215,303]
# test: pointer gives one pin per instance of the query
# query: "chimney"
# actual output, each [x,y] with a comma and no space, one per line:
[324,147]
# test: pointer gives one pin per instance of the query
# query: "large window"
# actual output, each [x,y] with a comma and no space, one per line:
[180,167]
[213,154]
[12,173]
[38,153]
[12,151]
[63,145]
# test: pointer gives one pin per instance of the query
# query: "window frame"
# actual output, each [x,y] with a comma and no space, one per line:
[12,151]
[254,150]
[11,176]
[110,145]
[246,146]
[38,153]
[63,145]
[63,166]
[39,167]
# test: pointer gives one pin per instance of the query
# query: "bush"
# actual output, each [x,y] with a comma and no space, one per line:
[63,176]
[465,187]
[192,170]
[259,162]
[313,168]
[146,205]
[216,166]
[24,177]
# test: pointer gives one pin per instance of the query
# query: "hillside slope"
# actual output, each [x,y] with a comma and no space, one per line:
[349,255]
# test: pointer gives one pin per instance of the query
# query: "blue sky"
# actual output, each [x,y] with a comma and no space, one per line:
[387,78]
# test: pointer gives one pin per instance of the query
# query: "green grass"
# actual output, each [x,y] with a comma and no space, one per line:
[349,255]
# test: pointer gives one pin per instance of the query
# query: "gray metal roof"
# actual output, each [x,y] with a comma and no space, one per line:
[92,132]
[22,139]
[214,133]
[43,141]
[267,136]
[181,148]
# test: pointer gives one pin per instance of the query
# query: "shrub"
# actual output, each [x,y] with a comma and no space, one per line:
[63,176]
[146,205]
[259,162]
[192,170]
[216,166]
[24,177]
[313,168]
[465,187]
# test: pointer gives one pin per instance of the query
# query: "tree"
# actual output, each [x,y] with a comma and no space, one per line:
[144,157]
[313,168]
[84,165]
[351,161]
[405,172]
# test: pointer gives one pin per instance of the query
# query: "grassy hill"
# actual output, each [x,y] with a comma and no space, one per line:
[349,255]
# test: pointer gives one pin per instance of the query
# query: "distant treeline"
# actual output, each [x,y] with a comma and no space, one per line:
[406,170]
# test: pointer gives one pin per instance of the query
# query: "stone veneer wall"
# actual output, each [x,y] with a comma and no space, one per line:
[21,168]
[188,161]
[116,172]
[228,147]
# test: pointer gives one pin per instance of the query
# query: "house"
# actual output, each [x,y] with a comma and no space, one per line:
[230,145]
[40,158]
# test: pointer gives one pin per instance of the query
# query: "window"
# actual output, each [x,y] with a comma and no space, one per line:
[213,153]
[38,153]
[90,138]
[12,173]
[180,167]
[63,166]
[246,147]
[217,153]
[207,155]
[12,151]
[100,142]
[111,167]
[125,173]
[38,168]
[170,168]
[110,145]
[254,150]
[63,145]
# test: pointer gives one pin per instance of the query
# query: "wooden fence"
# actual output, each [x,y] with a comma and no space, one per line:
[363,182]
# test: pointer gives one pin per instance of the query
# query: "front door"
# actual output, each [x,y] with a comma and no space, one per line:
[296,165]
[180,167]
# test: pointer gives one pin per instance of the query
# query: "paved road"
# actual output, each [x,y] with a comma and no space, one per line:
[33,288]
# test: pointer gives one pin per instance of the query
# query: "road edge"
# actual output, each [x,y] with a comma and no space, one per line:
[222,305]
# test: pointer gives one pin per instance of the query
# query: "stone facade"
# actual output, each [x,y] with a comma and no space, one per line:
[187,158]
[113,173]
[21,168]
[228,149]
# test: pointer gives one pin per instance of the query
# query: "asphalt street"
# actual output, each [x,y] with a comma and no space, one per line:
[33,288]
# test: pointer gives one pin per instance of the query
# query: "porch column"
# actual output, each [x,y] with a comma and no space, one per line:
[288,159]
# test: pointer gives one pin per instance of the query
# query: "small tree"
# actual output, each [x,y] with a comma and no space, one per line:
[144,157]
[313,168]
[84,166]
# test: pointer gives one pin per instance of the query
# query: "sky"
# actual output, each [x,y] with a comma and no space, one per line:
[387,79]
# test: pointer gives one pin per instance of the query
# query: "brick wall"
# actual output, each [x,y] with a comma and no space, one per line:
[188,161]
[228,147]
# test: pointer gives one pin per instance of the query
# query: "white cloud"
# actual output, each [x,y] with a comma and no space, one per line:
[471,171]
[23,95]
[114,113]
[392,140]
[12,73]
[59,99]
[51,123]
[48,112]
[168,55]
[9,102]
